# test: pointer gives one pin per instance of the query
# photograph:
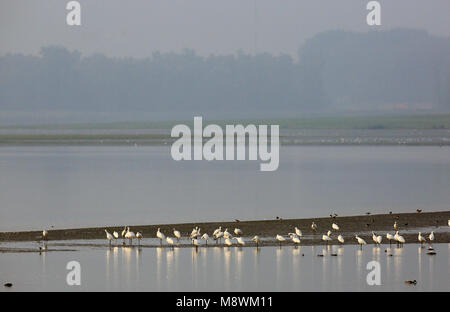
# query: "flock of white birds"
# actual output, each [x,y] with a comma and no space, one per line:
[236,235]
[218,235]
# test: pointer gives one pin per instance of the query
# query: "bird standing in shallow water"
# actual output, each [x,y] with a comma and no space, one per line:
[160,235]
[314,227]
[421,239]
[280,239]
[431,237]
[109,237]
[341,239]
[139,236]
[390,237]
[130,235]
[177,234]
[361,241]
[256,240]
[205,237]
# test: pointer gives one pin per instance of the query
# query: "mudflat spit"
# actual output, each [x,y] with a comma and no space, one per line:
[408,224]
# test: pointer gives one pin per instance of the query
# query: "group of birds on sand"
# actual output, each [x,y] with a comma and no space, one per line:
[126,234]
[218,235]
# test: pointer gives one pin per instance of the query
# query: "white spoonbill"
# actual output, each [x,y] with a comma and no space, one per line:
[218,236]
[170,241]
[390,238]
[226,234]
[216,231]
[395,226]
[295,239]
[314,227]
[421,239]
[109,237]
[238,232]
[400,239]
[124,232]
[334,226]
[326,238]
[228,242]
[377,239]
[44,234]
[130,235]
[206,238]
[431,237]
[196,243]
[160,235]
[177,234]
[298,232]
[195,233]
[239,240]
[256,240]
[139,236]
[280,239]
[448,222]
[341,239]
[116,235]
[361,241]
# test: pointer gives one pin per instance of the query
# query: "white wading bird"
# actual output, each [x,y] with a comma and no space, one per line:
[227,234]
[218,236]
[130,235]
[216,231]
[238,232]
[205,237]
[177,234]
[228,242]
[448,222]
[124,232]
[298,232]
[314,227]
[280,239]
[109,237]
[431,237]
[421,239]
[390,238]
[116,235]
[377,239]
[256,240]
[139,236]
[395,226]
[326,238]
[239,240]
[400,239]
[295,239]
[44,234]
[361,242]
[195,243]
[160,235]
[195,233]
[170,241]
[334,226]
[341,239]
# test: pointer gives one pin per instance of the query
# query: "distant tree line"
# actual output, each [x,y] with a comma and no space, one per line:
[335,71]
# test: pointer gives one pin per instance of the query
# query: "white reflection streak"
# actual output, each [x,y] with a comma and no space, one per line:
[159,251]
[238,263]
[295,267]
[279,256]
[126,257]
[226,258]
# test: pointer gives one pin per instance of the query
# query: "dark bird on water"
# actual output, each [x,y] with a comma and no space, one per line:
[414,282]
[9,285]
[419,210]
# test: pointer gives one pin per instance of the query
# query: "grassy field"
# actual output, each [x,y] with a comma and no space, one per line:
[441,121]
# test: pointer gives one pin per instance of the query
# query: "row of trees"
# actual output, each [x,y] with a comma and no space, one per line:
[336,71]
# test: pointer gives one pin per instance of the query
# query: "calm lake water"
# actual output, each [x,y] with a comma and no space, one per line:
[229,269]
[80,186]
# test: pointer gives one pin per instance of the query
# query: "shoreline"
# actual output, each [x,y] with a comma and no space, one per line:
[409,225]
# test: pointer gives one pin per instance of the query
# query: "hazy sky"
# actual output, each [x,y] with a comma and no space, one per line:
[139,27]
